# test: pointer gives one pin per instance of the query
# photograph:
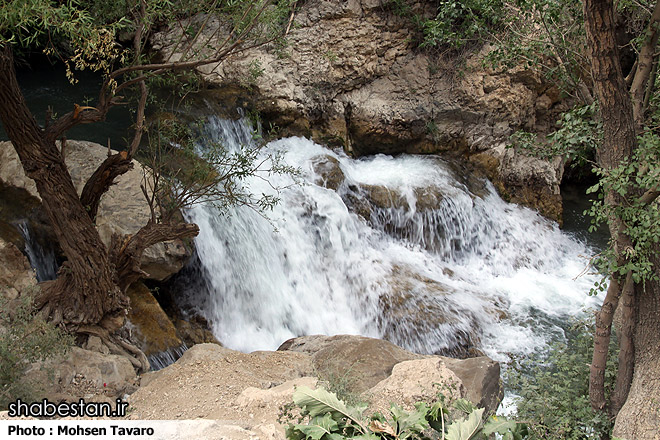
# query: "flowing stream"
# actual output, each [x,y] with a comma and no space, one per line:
[408,249]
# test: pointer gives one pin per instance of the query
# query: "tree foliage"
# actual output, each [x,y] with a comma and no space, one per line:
[552,391]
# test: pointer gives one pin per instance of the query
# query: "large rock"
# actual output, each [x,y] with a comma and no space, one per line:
[414,381]
[16,275]
[368,361]
[247,394]
[85,373]
[351,76]
[481,378]
[123,209]
[153,329]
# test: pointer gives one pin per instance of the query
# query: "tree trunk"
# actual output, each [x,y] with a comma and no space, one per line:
[85,290]
[639,419]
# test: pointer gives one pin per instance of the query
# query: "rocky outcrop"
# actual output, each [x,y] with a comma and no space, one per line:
[368,361]
[152,328]
[83,373]
[351,76]
[123,209]
[245,394]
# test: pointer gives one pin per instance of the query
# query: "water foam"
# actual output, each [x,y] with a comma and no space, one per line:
[468,270]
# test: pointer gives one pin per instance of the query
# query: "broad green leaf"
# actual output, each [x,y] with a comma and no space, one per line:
[499,424]
[412,422]
[464,405]
[320,402]
[466,429]
[318,427]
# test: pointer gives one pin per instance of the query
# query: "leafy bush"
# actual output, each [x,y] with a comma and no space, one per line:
[577,138]
[456,23]
[331,419]
[554,391]
[459,23]
[24,338]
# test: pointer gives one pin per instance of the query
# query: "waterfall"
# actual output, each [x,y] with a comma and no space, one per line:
[404,248]
[41,258]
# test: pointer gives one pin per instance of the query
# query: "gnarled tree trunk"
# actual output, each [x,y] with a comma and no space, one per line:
[88,295]
[85,290]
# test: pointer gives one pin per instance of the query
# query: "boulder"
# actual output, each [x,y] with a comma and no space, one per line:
[123,209]
[153,329]
[16,275]
[414,381]
[368,361]
[481,378]
[84,373]
[330,174]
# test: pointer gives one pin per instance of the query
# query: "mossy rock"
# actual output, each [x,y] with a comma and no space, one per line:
[155,331]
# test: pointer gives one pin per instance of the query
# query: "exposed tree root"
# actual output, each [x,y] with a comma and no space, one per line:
[118,346]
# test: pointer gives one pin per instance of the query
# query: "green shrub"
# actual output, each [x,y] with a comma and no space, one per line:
[329,418]
[554,391]
[25,338]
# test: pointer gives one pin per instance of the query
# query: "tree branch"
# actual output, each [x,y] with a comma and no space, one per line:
[126,252]
[102,179]
[602,332]
[644,68]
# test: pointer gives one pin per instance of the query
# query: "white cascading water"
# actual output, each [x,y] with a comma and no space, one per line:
[438,269]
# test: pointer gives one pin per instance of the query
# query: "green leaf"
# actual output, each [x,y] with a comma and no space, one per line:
[410,422]
[318,427]
[500,425]
[464,405]
[466,429]
[319,402]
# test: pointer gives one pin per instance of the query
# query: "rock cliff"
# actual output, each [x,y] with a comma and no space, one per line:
[351,76]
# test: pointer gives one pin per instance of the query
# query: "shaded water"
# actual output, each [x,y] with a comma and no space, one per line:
[404,249]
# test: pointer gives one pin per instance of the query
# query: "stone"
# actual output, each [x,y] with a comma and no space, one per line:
[366,360]
[419,380]
[480,377]
[123,209]
[329,171]
[82,372]
[16,276]
[151,326]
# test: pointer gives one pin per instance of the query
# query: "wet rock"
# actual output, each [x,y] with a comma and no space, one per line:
[194,332]
[329,171]
[152,327]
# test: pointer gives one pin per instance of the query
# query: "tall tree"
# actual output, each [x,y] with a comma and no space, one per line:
[88,295]
[634,290]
